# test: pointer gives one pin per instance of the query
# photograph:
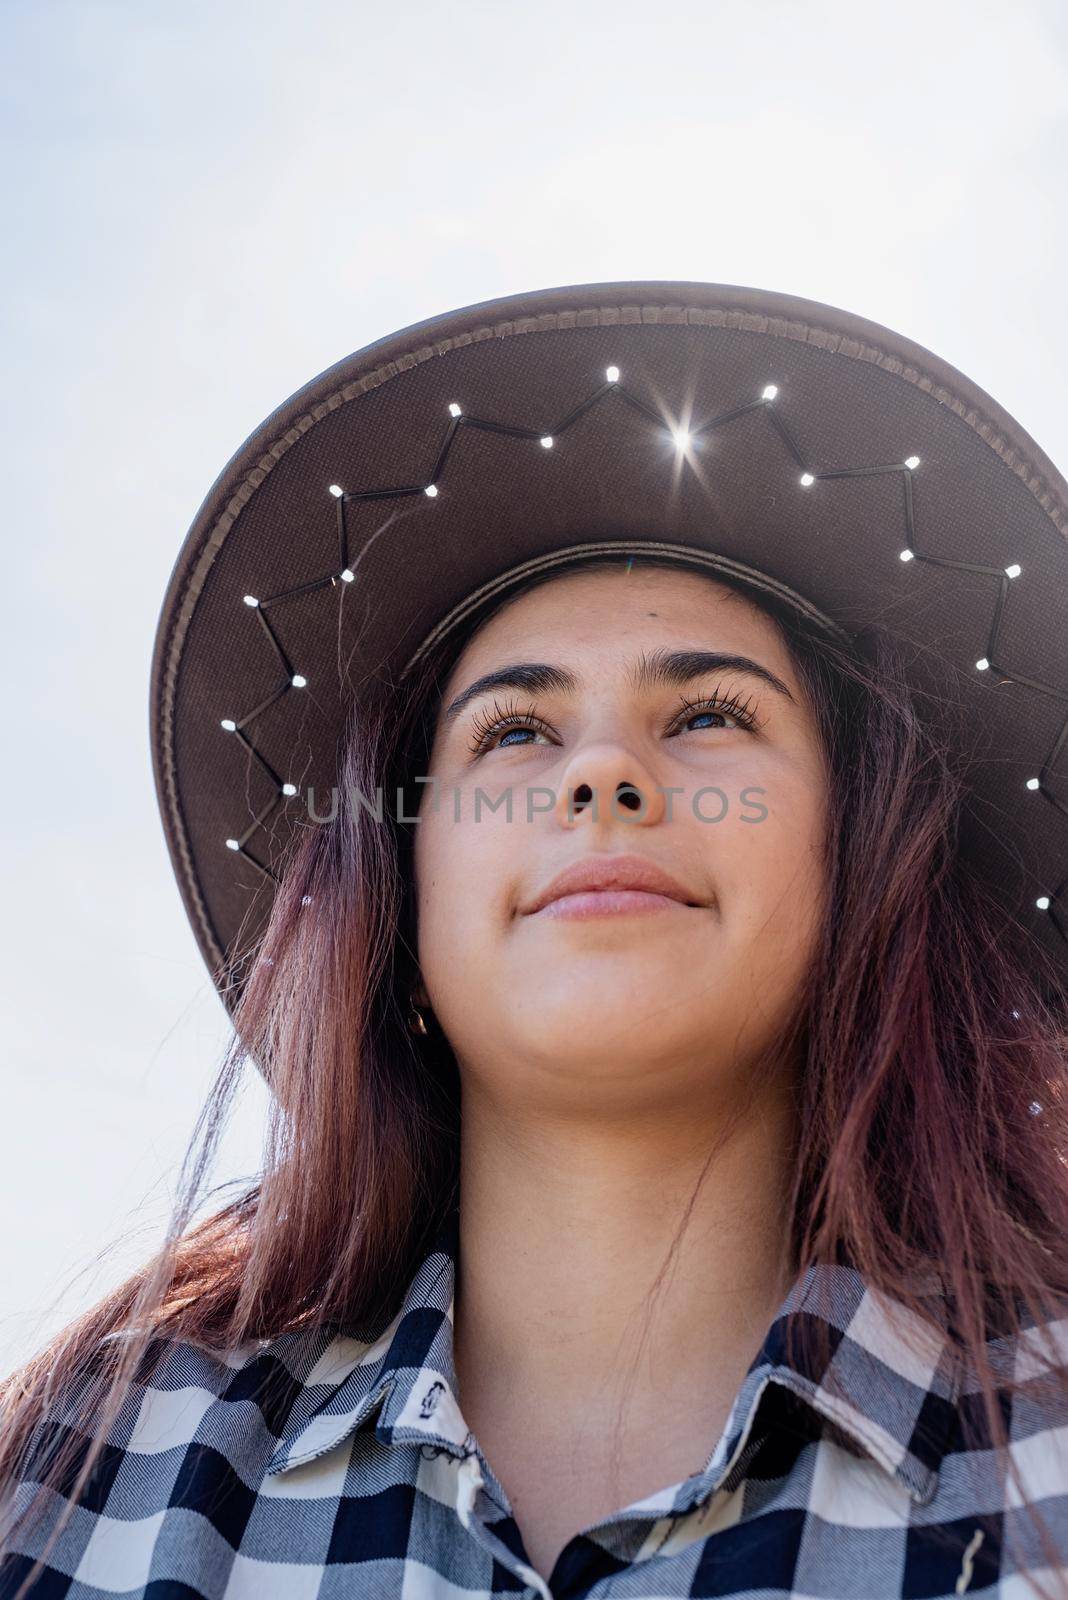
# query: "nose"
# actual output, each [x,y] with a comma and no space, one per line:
[604,785]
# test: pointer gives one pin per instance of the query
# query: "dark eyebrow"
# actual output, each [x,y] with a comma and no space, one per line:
[674,667]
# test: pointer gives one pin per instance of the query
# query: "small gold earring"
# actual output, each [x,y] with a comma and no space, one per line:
[416,1020]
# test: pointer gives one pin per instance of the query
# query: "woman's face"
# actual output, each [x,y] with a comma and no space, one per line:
[631,995]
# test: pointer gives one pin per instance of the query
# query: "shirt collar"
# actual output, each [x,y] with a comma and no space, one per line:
[890,1386]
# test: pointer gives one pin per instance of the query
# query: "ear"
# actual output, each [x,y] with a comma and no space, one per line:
[419,994]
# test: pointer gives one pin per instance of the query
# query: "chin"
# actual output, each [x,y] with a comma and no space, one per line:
[613,1029]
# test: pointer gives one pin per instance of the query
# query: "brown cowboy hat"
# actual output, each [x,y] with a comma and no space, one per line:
[829,461]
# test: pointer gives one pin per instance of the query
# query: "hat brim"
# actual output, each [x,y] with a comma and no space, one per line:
[854,403]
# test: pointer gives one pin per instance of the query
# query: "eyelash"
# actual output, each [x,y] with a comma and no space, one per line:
[486,726]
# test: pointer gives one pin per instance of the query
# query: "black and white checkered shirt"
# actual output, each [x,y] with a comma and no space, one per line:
[319,1467]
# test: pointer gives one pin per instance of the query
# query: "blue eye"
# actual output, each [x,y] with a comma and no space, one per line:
[486,729]
[719,705]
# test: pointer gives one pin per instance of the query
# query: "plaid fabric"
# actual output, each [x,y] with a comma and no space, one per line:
[322,1466]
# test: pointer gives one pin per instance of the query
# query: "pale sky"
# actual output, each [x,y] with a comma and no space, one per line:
[205,205]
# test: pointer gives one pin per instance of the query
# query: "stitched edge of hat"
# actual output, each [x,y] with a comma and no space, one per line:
[502,582]
[543,322]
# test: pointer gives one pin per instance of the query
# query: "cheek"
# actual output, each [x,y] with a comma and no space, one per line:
[773,868]
[464,872]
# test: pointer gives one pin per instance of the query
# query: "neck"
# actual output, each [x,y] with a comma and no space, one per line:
[565,1226]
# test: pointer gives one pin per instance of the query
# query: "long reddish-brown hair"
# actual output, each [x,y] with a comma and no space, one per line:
[930,1032]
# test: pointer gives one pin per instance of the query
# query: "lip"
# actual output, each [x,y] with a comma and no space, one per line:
[597,884]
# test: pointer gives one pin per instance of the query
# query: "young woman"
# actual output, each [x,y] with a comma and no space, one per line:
[665,1188]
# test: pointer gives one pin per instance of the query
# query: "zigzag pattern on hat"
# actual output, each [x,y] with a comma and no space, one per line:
[1050,902]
